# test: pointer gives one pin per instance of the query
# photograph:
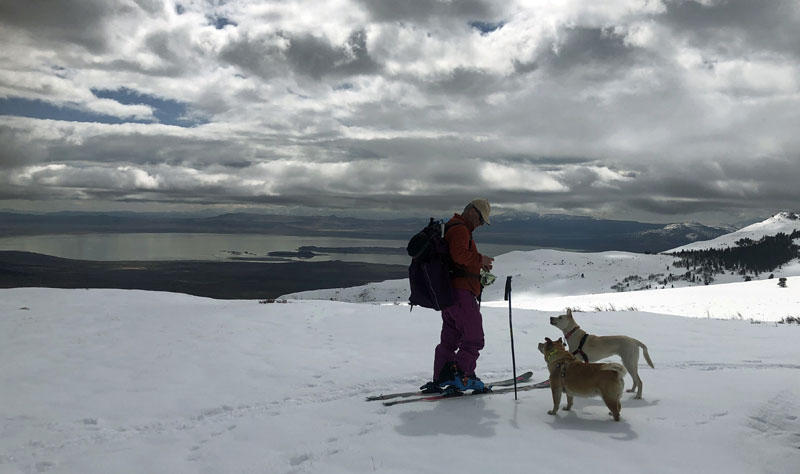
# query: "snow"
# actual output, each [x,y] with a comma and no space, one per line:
[553,280]
[785,222]
[98,381]
[118,381]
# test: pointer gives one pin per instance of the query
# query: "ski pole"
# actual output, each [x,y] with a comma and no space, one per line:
[507,297]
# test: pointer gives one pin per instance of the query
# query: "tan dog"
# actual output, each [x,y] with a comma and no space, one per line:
[573,377]
[590,348]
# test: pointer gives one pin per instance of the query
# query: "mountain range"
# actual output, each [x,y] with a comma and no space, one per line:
[523,229]
[599,279]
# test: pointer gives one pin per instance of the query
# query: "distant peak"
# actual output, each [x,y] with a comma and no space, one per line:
[793,216]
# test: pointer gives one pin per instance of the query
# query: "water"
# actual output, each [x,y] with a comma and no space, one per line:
[213,247]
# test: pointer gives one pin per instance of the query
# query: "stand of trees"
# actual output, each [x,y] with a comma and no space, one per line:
[764,255]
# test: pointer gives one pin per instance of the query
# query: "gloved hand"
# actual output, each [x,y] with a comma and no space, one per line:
[487,278]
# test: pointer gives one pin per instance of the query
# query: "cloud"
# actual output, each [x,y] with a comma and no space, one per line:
[317,58]
[623,109]
[734,28]
[81,23]
[428,10]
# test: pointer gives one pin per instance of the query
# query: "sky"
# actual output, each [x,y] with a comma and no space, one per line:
[658,111]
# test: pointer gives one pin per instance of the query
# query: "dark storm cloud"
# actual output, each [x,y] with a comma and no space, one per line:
[261,55]
[16,150]
[588,47]
[82,23]
[273,55]
[426,10]
[525,67]
[673,208]
[168,47]
[316,57]
[735,27]
[463,81]
[720,185]
[544,162]
[152,149]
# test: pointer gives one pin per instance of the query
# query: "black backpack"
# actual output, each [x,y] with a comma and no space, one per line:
[430,271]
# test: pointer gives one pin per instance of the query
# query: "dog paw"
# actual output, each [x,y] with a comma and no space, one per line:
[551,412]
[566,408]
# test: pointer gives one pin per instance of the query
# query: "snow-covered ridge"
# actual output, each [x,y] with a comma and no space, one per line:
[553,279]
[785,222]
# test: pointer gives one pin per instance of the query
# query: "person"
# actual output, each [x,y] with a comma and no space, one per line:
[462,339]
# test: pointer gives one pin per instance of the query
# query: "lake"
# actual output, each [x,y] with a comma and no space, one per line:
[221,247]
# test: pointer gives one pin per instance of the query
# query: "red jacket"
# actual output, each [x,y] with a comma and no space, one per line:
[464,254]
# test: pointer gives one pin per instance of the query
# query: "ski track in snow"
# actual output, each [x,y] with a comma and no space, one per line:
[776,419]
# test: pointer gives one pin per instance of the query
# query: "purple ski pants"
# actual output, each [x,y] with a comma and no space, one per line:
[462,334]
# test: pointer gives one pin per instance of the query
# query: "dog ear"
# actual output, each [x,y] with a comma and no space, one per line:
[569,312]
[560,341]
[548,339]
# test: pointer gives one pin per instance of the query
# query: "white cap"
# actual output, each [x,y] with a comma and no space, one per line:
[482,205]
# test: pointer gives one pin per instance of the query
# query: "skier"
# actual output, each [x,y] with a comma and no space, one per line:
[462,324]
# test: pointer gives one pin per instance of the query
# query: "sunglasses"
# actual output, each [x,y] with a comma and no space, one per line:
[480,216]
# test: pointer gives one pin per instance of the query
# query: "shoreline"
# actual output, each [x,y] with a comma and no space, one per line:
[219,280]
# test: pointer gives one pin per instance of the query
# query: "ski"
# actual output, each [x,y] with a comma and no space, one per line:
[500,383]
[445,396]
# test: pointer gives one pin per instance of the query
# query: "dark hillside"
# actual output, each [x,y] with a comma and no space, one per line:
[222,280]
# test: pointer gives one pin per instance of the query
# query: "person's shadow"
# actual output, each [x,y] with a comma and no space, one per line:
[462,417]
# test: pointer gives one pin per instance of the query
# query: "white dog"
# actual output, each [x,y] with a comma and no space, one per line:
[590,348]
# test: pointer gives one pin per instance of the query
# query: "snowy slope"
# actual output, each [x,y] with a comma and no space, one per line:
[114,381]
[552,279]
[545,271]
[786,222]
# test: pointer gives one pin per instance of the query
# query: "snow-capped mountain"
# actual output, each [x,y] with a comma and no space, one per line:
[593,234]
[692,231]
[782,222]
[598,279]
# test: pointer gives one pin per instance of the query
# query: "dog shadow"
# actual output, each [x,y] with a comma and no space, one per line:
[637,403]
[570,420]
[462,418]
[627,403]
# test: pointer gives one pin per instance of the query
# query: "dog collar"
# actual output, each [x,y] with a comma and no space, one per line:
[571,332]
[550,355]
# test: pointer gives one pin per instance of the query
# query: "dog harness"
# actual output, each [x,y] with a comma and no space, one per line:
[579,350]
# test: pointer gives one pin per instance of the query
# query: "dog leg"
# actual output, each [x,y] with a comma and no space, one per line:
[637,382]
[556,389]
[614,405]
[631,363]
[569,402]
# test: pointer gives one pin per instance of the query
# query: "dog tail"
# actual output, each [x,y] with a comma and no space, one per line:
[646,355]
[616,367]
[620,385]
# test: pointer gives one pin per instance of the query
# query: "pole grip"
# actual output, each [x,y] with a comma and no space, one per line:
[507,294]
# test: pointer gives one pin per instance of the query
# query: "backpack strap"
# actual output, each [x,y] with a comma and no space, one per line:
[456,270]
